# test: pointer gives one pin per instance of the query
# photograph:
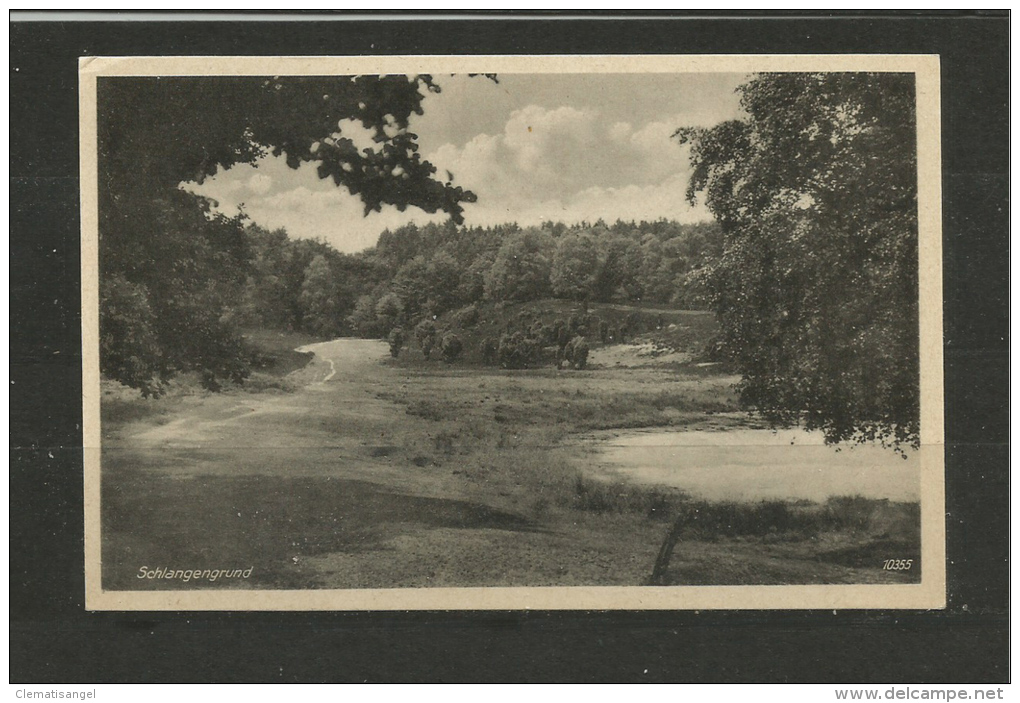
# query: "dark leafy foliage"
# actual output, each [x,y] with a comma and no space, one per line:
[817,286]
[518,351]
[521,268]
[425,335]
[576,353]
[451,347]
[171,273]
[396,340]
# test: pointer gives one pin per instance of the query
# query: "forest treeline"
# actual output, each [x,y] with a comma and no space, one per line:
[261,278]
[416,273]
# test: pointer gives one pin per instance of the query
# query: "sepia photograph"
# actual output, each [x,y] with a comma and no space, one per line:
[632,332]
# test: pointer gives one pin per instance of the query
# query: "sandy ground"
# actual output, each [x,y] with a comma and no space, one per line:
[630,356]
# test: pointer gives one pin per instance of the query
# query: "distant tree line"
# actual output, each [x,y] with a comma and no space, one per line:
[266,279]
[417,274]
[422,272]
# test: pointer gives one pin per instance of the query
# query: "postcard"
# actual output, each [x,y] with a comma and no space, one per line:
[512,332]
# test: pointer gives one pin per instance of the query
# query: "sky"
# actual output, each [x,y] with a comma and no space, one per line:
[564,147]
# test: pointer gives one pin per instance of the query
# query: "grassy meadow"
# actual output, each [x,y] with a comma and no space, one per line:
[462,474]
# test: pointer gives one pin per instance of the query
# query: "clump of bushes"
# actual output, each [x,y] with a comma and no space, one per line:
[852,513]
[595,496]
[488,350]
[425,334]
[576,353]
[396,340]
[451,347]
[516,351]
[466,317]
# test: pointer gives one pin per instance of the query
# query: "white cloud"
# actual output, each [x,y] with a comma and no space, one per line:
[632,202]
[298,201]
[333,215]
[620,131]
[569,164]
[260,184]
[561,163]
[356,132]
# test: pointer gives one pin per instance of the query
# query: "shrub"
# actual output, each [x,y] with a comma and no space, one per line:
[451,347]
[425,334]
[516,351]
[389,309]
[573,323]
[562,336]
[467,316]
[852,513]
[576,353]
[128,342]
[396,340]
[488,351]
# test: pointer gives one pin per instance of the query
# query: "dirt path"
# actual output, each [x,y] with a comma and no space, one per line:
[334,395]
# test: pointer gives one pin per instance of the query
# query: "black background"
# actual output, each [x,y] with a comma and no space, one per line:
[52,637]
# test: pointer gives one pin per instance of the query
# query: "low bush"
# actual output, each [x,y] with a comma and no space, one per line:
[576,353]
[396,340]
[425,335]
[451,347]
[488,350]
[466,317]
[515,351]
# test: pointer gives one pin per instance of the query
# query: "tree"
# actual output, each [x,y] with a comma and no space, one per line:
[363,319]
[472,280]
[411,284]
[428,284]
[575,266]
[389,310]
[269,292]
[521,268]
[180,284]
[817,285]
[320,298]
[443,275]
[127,341]
[620,263]
[157,133]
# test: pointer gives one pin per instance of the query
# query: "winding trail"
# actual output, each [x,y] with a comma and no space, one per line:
[334,424]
